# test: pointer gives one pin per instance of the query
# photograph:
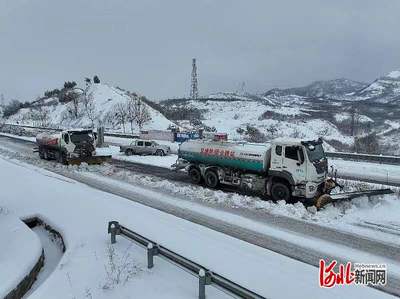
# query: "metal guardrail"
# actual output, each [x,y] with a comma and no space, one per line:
[206,277]
[119,135]
[395,160]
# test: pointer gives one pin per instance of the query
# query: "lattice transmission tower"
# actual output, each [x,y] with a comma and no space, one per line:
[194,91]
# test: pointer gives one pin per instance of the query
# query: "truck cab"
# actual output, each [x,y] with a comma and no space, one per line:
[78,143]
[300,164]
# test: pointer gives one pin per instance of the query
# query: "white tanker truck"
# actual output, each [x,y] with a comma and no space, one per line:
[281,169]
[69,147]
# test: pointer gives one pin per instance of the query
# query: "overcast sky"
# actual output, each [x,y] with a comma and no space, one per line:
[147,45]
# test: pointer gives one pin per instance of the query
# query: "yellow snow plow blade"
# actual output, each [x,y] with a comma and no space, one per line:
[325,199]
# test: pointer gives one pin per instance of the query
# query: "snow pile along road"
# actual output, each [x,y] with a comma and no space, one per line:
[20,248]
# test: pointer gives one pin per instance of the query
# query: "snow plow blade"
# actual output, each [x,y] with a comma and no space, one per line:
[325,199]
[90,160]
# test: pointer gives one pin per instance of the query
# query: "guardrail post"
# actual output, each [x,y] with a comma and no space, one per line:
[204,279]
[152,250]
[114,229]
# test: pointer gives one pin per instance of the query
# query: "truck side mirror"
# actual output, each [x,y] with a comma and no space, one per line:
[66,138]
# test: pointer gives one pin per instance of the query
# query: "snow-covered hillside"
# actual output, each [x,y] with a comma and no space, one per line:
[272,118]
[49,111]
[385,89]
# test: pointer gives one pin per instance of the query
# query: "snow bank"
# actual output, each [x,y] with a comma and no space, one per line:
[20,249]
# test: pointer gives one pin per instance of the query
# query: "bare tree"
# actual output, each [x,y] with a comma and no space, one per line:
[39,117]
[90,107]
[121,113]
[137,112]
[354,121]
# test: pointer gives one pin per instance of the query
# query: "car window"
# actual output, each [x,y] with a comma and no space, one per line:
[147,143]
[301,153]
[278,150]
[291,152]
[140,143]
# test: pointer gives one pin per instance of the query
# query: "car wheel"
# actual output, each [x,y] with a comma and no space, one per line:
[195,175]
[129,152]
[211,179]
[160,153]
[280,191]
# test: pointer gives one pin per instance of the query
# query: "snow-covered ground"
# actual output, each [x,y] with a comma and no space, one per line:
[81,215]
[20,248]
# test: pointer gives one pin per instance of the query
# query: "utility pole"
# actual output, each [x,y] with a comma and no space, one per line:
[194,92]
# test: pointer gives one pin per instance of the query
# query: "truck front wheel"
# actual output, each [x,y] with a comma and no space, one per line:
[280,191]
[62,158]
[211,179]
[195,175]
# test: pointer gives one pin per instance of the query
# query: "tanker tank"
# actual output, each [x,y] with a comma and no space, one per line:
[244,156]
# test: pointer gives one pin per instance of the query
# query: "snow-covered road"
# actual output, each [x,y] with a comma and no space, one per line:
[271,230]
[81,213]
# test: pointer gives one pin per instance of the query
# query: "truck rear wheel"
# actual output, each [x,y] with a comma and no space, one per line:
[195,175]
[280,191]
[211,179]
[41,156]
[129,152]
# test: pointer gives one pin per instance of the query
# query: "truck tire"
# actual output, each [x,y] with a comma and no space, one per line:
[45,155]
[41,156]
[195,175]
[129,152]
[61,158]
[211,179]
[160,153]
[280,191]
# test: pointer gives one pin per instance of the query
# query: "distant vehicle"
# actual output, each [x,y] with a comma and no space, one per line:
[145,147]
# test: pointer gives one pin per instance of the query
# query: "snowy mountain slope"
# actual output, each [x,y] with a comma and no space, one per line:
[105,100]
[385,89]
[271,117]
[335,89]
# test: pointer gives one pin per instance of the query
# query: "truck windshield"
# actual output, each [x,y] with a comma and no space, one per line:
[315,152]
[77,137]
